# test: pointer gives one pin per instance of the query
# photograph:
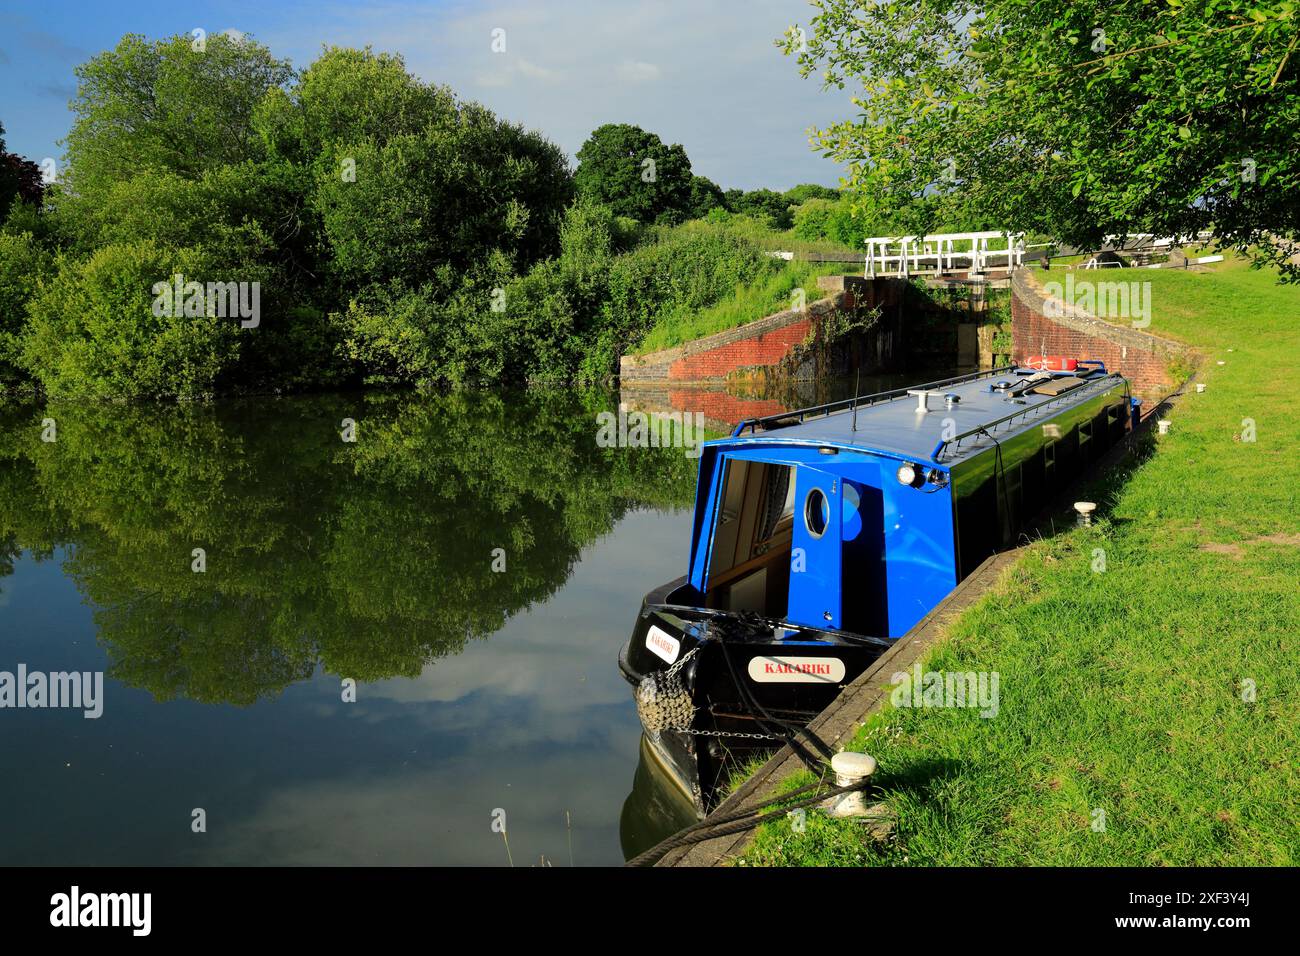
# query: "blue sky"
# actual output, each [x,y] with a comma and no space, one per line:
[703,74]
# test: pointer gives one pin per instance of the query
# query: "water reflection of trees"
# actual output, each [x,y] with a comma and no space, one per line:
[368,559]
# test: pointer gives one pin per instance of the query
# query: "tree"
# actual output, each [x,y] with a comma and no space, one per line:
[463,186]
[763,204]
[23,263]
[798,195]
[812,218]
[399,178]
[705,195]
[167,106]
[1075,118]
[348,96]
[357,196]
[20,179]
[634,173]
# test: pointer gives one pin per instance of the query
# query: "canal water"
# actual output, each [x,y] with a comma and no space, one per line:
[322,651]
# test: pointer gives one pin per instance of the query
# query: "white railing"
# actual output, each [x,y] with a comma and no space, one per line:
[939,253]
[1149,240]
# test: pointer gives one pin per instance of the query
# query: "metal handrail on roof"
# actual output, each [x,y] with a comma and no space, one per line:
[782,420]
[987,428]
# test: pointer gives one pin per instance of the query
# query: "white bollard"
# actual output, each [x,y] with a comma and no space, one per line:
[850,768]
[1163,424]
[1200,387]
[1084,510]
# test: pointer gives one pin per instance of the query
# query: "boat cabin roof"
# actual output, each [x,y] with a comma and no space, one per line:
[994,404]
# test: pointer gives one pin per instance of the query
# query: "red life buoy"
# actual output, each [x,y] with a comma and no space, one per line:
[1052,363]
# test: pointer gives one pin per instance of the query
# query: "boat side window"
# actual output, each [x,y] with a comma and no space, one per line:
[816,512]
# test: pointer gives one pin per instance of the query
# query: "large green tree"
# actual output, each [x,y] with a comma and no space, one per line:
[173,105]
[1076,118]
[352,185]
[636,174]
[764,205]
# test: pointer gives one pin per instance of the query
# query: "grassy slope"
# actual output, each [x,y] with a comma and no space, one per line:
[749,304]
[1121,691]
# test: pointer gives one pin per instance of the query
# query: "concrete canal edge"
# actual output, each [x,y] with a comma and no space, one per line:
[868,694]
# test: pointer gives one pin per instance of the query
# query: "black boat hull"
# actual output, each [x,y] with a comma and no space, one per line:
[748,682]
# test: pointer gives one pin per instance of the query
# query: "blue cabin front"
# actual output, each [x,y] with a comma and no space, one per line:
[821,535]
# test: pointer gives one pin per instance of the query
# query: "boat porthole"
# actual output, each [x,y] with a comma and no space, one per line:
[816,512]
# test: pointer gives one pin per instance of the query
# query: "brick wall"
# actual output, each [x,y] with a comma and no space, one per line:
[774,347]
[710,359]
[765,348]
[721,409]
[1141,357]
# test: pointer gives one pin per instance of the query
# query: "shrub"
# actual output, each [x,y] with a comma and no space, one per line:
[554,311]
[846,228]
[23,264]
[812,218]
[93,329]
[682,271]
[393,334]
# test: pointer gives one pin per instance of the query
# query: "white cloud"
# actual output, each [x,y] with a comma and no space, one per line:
[635,71]
[535,72]
[708,77]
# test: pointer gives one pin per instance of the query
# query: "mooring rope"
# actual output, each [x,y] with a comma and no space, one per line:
[782,728]
[715,826]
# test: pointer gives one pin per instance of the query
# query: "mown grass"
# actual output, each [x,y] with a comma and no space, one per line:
[1127,731]
[748,304]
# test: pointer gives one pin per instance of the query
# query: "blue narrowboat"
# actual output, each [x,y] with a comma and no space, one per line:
[822,535]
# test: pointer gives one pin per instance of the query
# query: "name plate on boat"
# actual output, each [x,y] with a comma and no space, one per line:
[796,670]
[662,644]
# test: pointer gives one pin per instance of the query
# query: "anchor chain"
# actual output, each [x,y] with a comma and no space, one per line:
[662,701]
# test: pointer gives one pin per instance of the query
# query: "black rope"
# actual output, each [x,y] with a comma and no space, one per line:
[783,729]
[1005,526]
[712,827]
[715,826]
